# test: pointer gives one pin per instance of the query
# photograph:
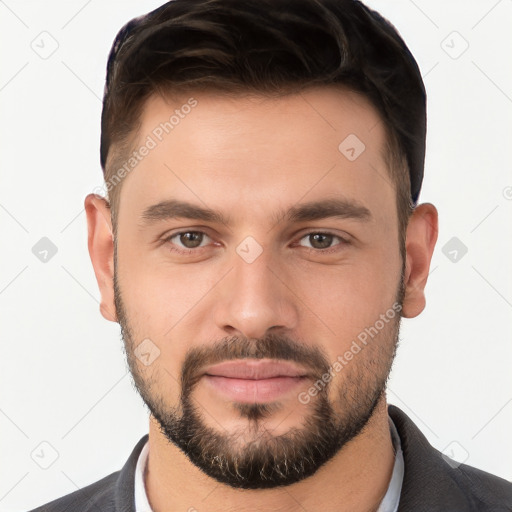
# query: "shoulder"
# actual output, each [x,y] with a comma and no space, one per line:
[433,482]
[115,492]
[487,491]
[96,496]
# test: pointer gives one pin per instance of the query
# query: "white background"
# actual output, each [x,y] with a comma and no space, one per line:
[63,374]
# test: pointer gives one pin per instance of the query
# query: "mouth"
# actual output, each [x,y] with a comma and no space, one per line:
[255,369]
[254,380]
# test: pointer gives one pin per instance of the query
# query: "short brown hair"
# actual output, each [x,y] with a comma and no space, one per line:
[268,47]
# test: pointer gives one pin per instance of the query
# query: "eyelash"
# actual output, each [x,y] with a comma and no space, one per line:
[329,250]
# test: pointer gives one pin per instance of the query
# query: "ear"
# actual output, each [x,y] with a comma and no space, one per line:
[101,251]
[420,242]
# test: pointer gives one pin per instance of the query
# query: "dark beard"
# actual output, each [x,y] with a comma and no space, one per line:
[267,461]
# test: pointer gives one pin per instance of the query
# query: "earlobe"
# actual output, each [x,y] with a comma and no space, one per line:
[420,242]
[101,251]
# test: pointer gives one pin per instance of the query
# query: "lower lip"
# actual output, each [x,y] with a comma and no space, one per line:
[254,390]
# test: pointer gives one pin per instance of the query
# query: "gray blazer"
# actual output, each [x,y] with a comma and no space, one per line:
[430,483]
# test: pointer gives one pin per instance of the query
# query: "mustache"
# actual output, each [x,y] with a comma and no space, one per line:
[272,346]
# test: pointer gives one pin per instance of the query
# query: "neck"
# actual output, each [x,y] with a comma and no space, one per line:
[355,479]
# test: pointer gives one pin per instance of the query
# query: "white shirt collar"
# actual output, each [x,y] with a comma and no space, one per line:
[388,504]
[390,501]
[141,498]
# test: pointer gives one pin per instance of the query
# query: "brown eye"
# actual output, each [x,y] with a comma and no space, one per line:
[187,240]
[320,241]
[191,239]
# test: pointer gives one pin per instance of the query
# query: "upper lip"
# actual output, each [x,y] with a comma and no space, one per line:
[255,369]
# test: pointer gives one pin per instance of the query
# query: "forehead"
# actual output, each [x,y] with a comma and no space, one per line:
[250,153]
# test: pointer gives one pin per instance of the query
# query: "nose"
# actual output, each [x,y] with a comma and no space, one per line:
[255,298]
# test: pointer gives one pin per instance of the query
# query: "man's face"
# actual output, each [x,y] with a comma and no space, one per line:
[319,294]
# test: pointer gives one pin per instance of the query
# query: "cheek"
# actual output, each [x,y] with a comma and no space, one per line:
[348,299]
[161,297]
[353,293]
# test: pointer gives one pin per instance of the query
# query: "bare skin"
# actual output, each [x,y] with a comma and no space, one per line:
[250,158]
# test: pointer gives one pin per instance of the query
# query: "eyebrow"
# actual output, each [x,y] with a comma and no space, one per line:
[314,210]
